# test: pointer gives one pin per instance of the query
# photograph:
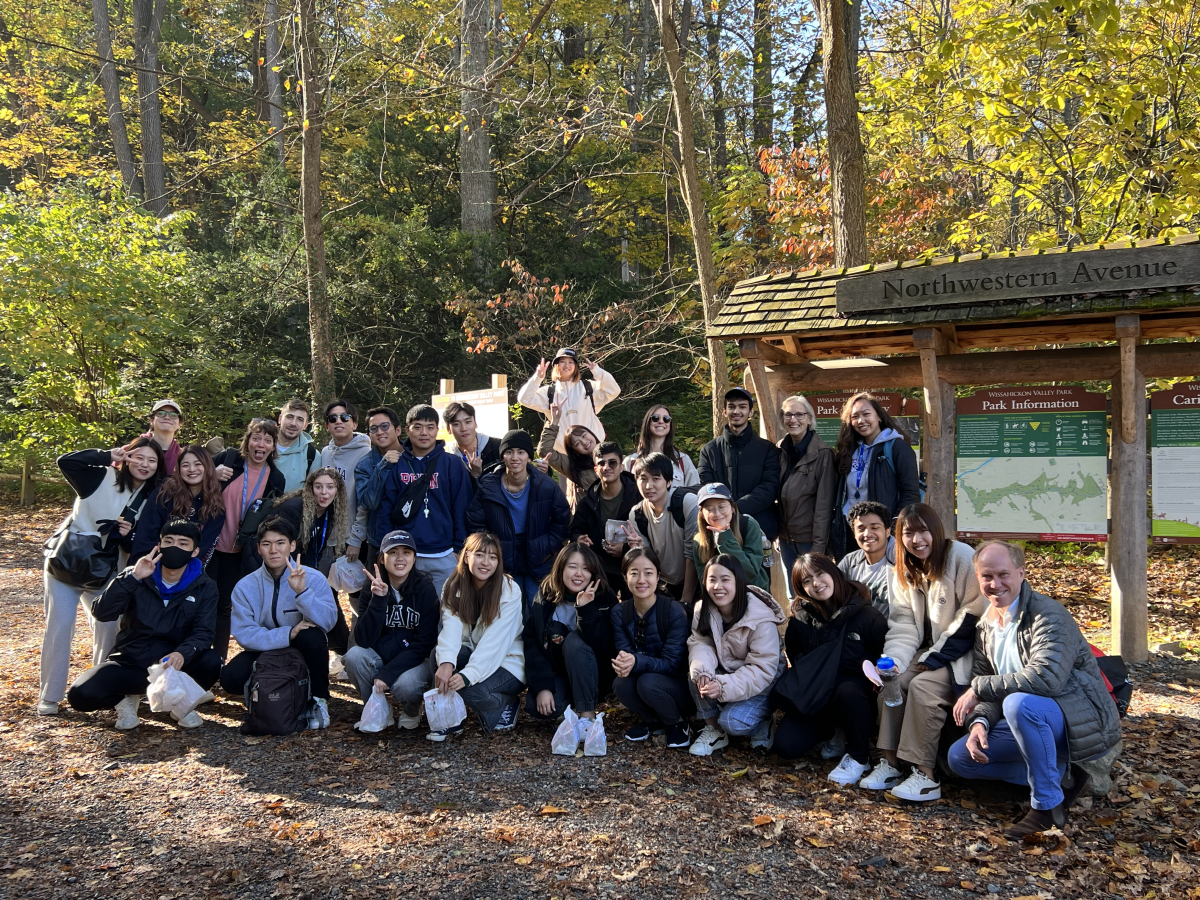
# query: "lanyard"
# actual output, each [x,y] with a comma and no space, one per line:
[860,466]
[324,531]
[246,484]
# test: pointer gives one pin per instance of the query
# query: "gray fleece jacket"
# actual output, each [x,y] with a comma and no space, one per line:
[265,608]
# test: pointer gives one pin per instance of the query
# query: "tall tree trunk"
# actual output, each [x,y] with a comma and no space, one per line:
[694,200]
[712,32]
[763,75]
[314,80]
[274,83]
[147,27]
[475,142]
[847,175]
[112,99]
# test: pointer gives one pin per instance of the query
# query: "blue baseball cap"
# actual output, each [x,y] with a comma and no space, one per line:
[714,491]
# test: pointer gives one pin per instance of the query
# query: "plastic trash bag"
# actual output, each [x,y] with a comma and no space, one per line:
[376,714]
[172,690]
[444,711]
[566,739]
[597,741]
[346,576]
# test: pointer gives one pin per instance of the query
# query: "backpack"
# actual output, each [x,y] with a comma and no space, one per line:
[312,454]
[1116,679]
[675,505]
[587,390]
[662,615]
[278,693]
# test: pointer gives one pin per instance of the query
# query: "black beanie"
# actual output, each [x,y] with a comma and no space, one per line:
[517,440]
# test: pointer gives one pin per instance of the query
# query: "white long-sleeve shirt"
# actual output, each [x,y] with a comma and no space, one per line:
[572,397]
[493,646]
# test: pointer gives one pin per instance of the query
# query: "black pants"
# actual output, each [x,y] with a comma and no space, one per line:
[313,647]
[851,708]
[578,686]
[226,570]
[105,685]
[655,699]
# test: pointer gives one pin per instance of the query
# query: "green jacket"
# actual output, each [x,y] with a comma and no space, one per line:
[749,553]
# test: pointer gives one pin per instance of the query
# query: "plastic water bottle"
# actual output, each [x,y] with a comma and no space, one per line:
[768,554]
[886,667]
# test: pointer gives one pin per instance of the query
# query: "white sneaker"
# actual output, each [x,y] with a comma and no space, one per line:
[709,741]
[47,708]
[336,665]
[835,747]
[404,720]
[883,777]
[127,712]
[191,720]
[918,787]
[207,698]
[848,771]
[318,714]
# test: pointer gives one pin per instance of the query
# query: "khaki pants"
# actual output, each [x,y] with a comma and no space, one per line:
[914,728]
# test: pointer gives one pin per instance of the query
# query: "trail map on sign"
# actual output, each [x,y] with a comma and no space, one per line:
[1033,462]
[1175,464]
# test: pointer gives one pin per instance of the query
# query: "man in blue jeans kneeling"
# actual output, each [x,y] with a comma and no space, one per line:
[1037,704]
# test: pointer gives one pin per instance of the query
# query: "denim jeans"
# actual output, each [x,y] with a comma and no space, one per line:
[791,551]
[741,717]
[409,689]
[1028,746]
[489,697]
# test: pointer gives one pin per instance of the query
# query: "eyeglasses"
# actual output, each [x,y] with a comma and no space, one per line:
[166,414]
[382,426]
[795,415]
[339,417]
[656,418]
[608,464]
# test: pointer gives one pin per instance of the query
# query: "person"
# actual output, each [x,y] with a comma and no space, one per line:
[580,400]
[479,650]
[734,657]
[296,455]
[935,603]
[1037,704]
[665,520]
[650,633]
[479,452]
[610,498]
[320,513]
[251,480]
[834,694]
[432,509]
[568,638]
[283,604]
[575,463]
[343,452]
[748,464]
[168,610]
[191,492]
[108,502]
[526,512]
[871,564]
[371,473]
[397,630]
[873,462]
[806,486]
[658,436]
[720,528]
[166,418]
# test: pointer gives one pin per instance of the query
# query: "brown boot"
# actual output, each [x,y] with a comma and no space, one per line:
[1038,820]
[1080,782]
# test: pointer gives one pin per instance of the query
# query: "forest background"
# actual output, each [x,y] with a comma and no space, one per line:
[237,203]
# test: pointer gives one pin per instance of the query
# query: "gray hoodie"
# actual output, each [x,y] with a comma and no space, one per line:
[344,459]
[294,464]
[265,609]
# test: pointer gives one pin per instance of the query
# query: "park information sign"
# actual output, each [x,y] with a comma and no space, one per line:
[491,410]
[1033,463]
[828,408]
[1175,464]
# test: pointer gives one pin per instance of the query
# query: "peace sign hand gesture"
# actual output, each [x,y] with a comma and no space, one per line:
[591,365]
[541,369]
[556,411]
[144,567]
[298,579]
[587,595]
[633,537]
[378,586]
[475,464]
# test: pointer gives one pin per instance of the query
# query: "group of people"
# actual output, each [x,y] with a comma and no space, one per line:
[469,568]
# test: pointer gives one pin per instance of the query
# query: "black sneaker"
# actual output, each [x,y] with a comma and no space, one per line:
[508,717]
[679,735]
[638,732]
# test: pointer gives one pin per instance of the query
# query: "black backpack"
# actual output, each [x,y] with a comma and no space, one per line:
[278,693]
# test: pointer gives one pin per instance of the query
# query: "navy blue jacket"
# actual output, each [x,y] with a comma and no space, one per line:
[548,517]
[157,512]
[370,479]
[401,626]
[447,497]
[896,485]
[153,629]
[668,657]
[543,662]
[749,466]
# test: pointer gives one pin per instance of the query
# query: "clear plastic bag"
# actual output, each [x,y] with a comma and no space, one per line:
[566,739]
[597,741]
[444,711]
[376,714]
[346,576]
[172,690]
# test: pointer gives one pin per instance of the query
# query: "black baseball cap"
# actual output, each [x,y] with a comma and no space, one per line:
[567,352]
[739,393]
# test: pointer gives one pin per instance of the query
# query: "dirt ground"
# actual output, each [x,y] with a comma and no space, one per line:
[159,813]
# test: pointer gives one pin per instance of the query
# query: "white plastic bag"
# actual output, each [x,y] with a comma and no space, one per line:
[566,739]
[376,714]
[346,576]
[444,711]
[172,690]
[597,741]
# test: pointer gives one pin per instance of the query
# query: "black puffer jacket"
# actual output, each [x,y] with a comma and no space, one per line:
[749,466]
[865,628]
[543,659]
[547,518]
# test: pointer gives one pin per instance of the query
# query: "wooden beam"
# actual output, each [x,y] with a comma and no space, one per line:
[933,401]
[792,343]
[750,348]
[768,410]
[942,464]
[499,382]
[446,386]
[1127,550]
[1129,332]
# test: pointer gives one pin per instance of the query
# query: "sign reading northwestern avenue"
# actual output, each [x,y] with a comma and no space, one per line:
[1021,277]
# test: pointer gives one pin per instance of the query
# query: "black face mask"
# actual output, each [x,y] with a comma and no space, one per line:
[175,557]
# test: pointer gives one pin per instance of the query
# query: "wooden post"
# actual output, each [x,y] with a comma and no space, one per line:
[1128,539]
[939,427]
[446,386]
[768,411]
[27,492]
[499,382]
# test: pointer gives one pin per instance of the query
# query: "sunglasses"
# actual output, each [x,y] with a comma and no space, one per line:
[608,464]
[656,418]
[339,417]
[382,426]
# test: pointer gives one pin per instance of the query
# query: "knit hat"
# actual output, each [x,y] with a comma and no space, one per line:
[517,440]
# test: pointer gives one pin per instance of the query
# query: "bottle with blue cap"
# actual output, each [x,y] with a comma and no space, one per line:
[886,667]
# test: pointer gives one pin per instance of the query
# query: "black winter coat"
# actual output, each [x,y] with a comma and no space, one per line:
[543,660]
[187,624]
[587,520]
[669,657]
[401,626]
[865,628]
[547,518]
[157,512]
[895,486]
[749,466]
